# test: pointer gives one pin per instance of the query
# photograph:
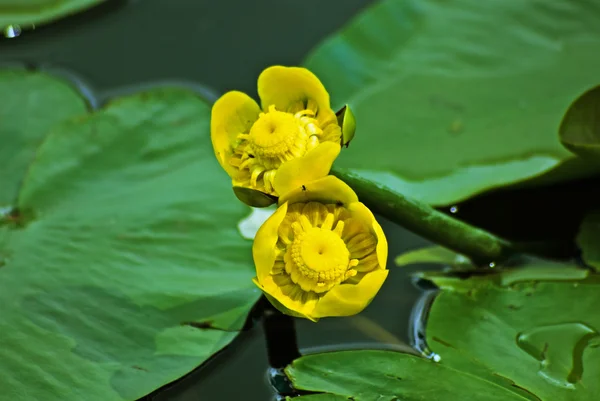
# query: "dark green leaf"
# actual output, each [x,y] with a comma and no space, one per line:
[254,198]
[434,254]
[588,239]
[124,269]
[28,13]
[580,128]
[539,332]
[455,97]
[319,397]
[504,336]
[388,375]
[33,104]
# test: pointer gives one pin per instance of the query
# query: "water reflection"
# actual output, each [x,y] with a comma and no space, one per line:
[12,31]
[418,321]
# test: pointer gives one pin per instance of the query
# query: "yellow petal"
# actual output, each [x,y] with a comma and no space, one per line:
[232,114]
[263,248]
[362,213]
[282,303]
[326,190]
[382,245]
[315,164]
[350,299]
[292,89]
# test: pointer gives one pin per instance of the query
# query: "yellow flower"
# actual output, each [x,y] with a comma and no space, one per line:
[296,119]
[322,253]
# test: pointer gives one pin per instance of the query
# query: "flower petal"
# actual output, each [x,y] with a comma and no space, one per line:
[362,213]
[264,251]
[350,299]
[232,114]
[326,190]
[283,303]
[292,89]
[315,164]
[382,245]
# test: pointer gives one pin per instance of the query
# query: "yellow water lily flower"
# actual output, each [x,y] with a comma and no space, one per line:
[322,253]
[251,143]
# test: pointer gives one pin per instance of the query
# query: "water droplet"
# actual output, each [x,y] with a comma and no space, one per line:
[492,265]
[454,209]
[12,31]
[559,349]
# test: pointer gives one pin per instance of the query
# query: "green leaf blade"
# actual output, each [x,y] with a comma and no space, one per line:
[495,337]
[580,128]
[461,90]
[489,321]
[29,13]
[128,270]
[36,102]
[389,374]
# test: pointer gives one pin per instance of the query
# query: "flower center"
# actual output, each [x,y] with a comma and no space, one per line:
[275,137]
[274,134]
[318,258]
[321,251]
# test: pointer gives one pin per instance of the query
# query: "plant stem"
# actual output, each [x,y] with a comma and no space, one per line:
[481,246]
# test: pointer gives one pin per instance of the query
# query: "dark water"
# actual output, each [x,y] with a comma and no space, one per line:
[221,45]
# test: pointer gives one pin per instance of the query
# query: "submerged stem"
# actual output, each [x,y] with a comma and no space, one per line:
[479,245]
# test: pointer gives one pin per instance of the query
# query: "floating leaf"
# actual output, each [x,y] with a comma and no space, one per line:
[453,98]
[539,332]
[433,254]
[33,104]
[124,268]
[30,13]
[388,375]
[580,128]
[588,239]
[319,397]
[502,338]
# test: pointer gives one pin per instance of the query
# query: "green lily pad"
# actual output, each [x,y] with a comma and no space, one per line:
[389,375]
[457,97]
[320,397]
[588,239]
[434,255]
[28,13]
[29,94]
[542,334]
[580,128]
[496,337]
[123,269]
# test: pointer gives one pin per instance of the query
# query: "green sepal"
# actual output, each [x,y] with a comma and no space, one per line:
[253,197]
[347,122]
